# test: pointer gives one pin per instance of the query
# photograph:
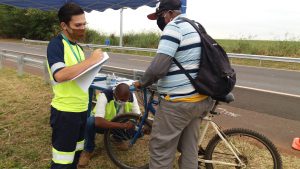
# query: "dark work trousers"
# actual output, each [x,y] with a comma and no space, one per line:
[67,138]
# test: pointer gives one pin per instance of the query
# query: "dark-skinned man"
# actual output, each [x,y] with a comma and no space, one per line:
[109,104]
[181,108]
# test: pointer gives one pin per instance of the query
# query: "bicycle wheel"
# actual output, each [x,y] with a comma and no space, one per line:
[117,140]
[253,149]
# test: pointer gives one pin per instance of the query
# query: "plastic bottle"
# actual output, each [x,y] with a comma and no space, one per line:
[108,80]
[113,80]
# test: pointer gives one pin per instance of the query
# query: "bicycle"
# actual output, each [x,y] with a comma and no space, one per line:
[229,148]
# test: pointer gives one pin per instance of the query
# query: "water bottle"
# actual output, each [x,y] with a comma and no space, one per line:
[108,80]
[113,80]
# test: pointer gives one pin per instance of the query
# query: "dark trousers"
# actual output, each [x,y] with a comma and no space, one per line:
[67,131]
[90,133]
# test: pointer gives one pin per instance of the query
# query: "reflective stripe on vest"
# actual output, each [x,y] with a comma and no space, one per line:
[60,157]
[111,112]
[68,96]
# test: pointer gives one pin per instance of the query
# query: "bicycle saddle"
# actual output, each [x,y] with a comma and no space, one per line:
[228,98]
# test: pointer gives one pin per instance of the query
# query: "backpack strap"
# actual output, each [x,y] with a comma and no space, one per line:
[186,73]
[200,30]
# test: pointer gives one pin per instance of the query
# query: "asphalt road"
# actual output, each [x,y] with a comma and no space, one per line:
[284,81]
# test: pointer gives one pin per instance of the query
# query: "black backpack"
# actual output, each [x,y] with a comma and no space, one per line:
[216,77]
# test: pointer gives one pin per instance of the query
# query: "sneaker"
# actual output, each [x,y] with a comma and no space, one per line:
[146,130]
[84,159]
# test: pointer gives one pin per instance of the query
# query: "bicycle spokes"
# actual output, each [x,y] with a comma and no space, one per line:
[247,149]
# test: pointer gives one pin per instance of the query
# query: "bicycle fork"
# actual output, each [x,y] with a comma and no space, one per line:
[148,108]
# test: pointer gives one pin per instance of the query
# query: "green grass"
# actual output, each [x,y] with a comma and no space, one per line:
[24,118]
[25,133]
[266,64]
[286,48]
[141,40]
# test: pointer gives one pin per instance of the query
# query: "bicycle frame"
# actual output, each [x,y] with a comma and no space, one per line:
[234,147]
[208,121]
[148,105]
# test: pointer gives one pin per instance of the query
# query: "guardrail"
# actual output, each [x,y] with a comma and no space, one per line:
[231,55]
[39,61]
[34,60]
[97,46]
[263,57]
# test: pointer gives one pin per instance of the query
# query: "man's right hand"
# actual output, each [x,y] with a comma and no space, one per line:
[128,125]
[137,84]
[96,56]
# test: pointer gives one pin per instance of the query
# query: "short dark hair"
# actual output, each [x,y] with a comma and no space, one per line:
[122,90]
[66,12]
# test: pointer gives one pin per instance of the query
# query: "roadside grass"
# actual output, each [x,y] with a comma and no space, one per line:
[287,48]
[290,47]
[11,40]
[24,117]
[25,135]
[266,64]
[284,48]
[236,61]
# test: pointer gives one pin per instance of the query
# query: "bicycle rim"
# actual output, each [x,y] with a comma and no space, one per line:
[117,145]
[253,149]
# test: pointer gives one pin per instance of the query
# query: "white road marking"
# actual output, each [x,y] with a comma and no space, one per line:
[228,113]
[135,55]
[141,60]
[39,48]
[268,68]
[268,91]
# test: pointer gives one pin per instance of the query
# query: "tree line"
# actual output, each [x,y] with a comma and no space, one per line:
[28,23]
[35,24]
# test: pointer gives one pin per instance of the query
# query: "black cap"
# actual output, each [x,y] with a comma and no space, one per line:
[163,6]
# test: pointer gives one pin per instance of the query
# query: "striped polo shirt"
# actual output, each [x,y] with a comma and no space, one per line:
[180,40]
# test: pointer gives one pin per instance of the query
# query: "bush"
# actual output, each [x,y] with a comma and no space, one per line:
[28,23]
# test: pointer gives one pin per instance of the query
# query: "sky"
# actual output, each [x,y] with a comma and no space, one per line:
[222,19]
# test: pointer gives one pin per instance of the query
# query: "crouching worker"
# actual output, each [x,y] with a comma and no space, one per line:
[109,104]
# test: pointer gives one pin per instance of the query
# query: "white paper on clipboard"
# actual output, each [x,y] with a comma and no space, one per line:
[85,79]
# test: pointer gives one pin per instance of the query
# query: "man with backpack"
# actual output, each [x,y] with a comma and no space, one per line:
[181,107]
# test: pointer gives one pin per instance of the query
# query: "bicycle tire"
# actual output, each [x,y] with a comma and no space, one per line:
[127,159]
[248,139]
